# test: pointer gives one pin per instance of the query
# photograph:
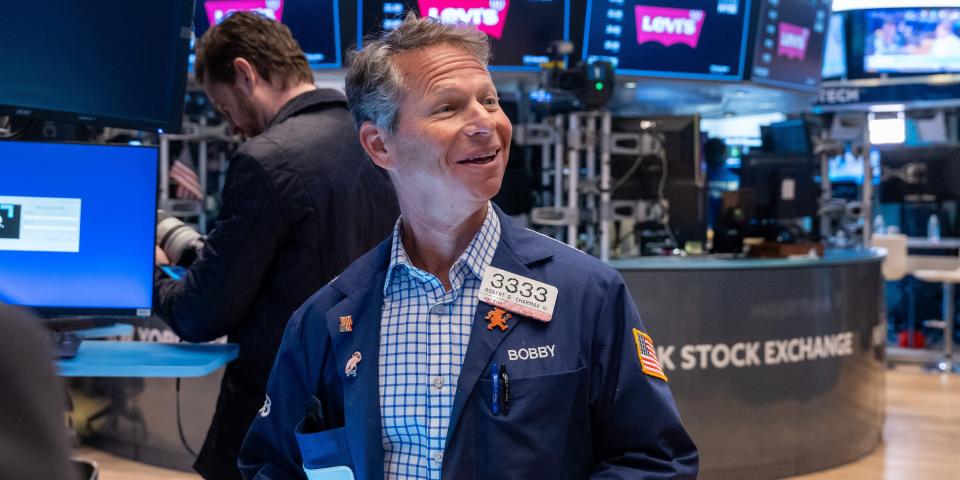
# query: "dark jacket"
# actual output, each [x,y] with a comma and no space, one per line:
[582,407]
[301,202]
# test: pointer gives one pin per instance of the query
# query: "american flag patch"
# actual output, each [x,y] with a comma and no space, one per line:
[648,355]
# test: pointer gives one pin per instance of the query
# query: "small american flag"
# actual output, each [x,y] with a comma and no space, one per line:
[648,355]
[188,184]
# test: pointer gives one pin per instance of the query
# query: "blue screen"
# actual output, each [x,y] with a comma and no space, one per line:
[77,227]
[848,168]
[669,38]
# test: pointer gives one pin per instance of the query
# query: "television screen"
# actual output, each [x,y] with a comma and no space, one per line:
[912,40]
[519,30]
[835,50]
[668,38]
[77,227]
[315,24]
[116,62]
[788,43]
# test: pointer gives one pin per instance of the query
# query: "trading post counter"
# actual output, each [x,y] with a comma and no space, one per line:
[776,365]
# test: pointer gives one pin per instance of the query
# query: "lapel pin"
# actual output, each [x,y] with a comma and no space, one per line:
[498,318]
[351,370]
[346,324]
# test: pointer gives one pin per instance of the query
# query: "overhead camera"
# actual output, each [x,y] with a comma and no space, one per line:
[180,242]
[585,86]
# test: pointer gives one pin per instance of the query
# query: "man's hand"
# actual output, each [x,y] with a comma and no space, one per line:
[160,258]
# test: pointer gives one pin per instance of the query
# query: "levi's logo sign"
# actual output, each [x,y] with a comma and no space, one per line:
[489,16]
[668,26]
[793,41]
[218,10]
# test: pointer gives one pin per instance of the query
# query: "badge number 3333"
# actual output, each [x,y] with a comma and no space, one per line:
[518,294]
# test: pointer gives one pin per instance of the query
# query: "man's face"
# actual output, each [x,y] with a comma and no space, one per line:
[452,139]
[236,106]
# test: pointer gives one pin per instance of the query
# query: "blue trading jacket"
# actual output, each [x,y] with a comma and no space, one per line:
[579,407]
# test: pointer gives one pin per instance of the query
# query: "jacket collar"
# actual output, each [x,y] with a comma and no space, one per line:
[362,287]
[313,99]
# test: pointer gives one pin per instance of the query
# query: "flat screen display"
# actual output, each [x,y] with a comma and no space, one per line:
[835,48]
[849,168]
[77,227]
[788,43]
[669,38]
[119,63]
[315,24]
[519,30]
[912,40]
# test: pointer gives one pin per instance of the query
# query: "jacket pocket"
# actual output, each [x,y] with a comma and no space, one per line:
[323,449]
[543,431]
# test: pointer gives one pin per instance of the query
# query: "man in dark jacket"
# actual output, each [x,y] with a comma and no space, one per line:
[301,202]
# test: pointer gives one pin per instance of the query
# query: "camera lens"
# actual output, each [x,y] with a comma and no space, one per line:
[178,241]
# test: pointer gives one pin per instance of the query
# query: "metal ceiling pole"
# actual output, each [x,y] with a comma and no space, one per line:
[866,203]
[606,130]
[573,158]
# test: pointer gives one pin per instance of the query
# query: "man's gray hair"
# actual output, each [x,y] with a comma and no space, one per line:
[374,83]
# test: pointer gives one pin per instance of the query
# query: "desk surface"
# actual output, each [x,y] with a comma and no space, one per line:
[832,258]
[99,358]
[923,243]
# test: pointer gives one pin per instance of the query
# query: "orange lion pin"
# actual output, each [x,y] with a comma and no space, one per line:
[498,318]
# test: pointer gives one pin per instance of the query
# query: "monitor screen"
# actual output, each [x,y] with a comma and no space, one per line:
[849,168]
[788,43]
[116,62]
[911,40]
[668,38]
[519,30]
[835,48]
[77,227]
[314,24]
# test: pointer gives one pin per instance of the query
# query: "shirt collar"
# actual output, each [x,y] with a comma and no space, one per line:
[477,256]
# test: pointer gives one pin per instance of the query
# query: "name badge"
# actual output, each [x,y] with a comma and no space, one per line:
[518,294]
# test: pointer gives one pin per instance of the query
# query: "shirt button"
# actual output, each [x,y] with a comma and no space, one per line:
[438,382]
[438,457]
[437,309]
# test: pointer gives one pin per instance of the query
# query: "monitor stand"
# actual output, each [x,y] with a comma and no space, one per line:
[64,344]
[63,332]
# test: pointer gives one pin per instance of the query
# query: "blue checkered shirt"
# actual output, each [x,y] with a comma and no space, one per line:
[424,332]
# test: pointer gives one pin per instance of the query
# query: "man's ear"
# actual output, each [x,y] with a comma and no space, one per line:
[373,140]
[247,76]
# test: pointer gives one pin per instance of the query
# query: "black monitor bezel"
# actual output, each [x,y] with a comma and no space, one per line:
[172,124]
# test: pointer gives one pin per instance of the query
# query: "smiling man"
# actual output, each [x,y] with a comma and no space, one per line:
[463,346]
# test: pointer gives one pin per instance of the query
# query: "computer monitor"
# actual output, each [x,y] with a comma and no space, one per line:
[519,30]
[684,186]
[118,63]
[788,43]
[849,168]
[699,39]
[315,24]
[782,186]
[789,137]
[930,172]
[910,40]
[78,222]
